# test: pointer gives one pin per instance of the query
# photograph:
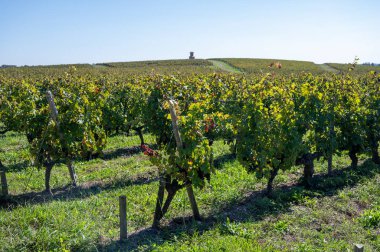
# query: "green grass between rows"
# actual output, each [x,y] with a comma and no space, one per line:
[237,217]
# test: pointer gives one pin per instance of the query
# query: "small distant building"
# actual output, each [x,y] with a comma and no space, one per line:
[191,55]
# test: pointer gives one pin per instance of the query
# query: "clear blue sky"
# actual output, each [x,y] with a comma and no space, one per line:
[35,32]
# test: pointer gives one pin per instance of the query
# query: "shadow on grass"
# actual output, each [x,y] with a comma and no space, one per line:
[86,189]
[219,161]
[17,167]
[116,153]
[252,207]
[67,193]
[122,152]
[134,150]
[108,155]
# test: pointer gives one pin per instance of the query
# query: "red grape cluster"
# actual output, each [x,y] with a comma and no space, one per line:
[148,151]
[209,124]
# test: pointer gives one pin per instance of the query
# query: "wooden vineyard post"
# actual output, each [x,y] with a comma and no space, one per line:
[179,143]
[176,133]
[54,116]
[193,202]
[358,248]
[123,217]
[331,135]
[329,160]
[4,183]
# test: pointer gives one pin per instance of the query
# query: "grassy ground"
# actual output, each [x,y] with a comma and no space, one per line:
[328,68]
[225,66]
[255,66]
[237,216]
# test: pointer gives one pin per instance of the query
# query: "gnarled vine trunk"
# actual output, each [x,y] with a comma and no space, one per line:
[307,160]
[4,183]
[353,156]
[159,203]
[375,152]
[48,167]
[273,175]
[172,187]
[140,133]
[73,175]
[308,172]
[329,165]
